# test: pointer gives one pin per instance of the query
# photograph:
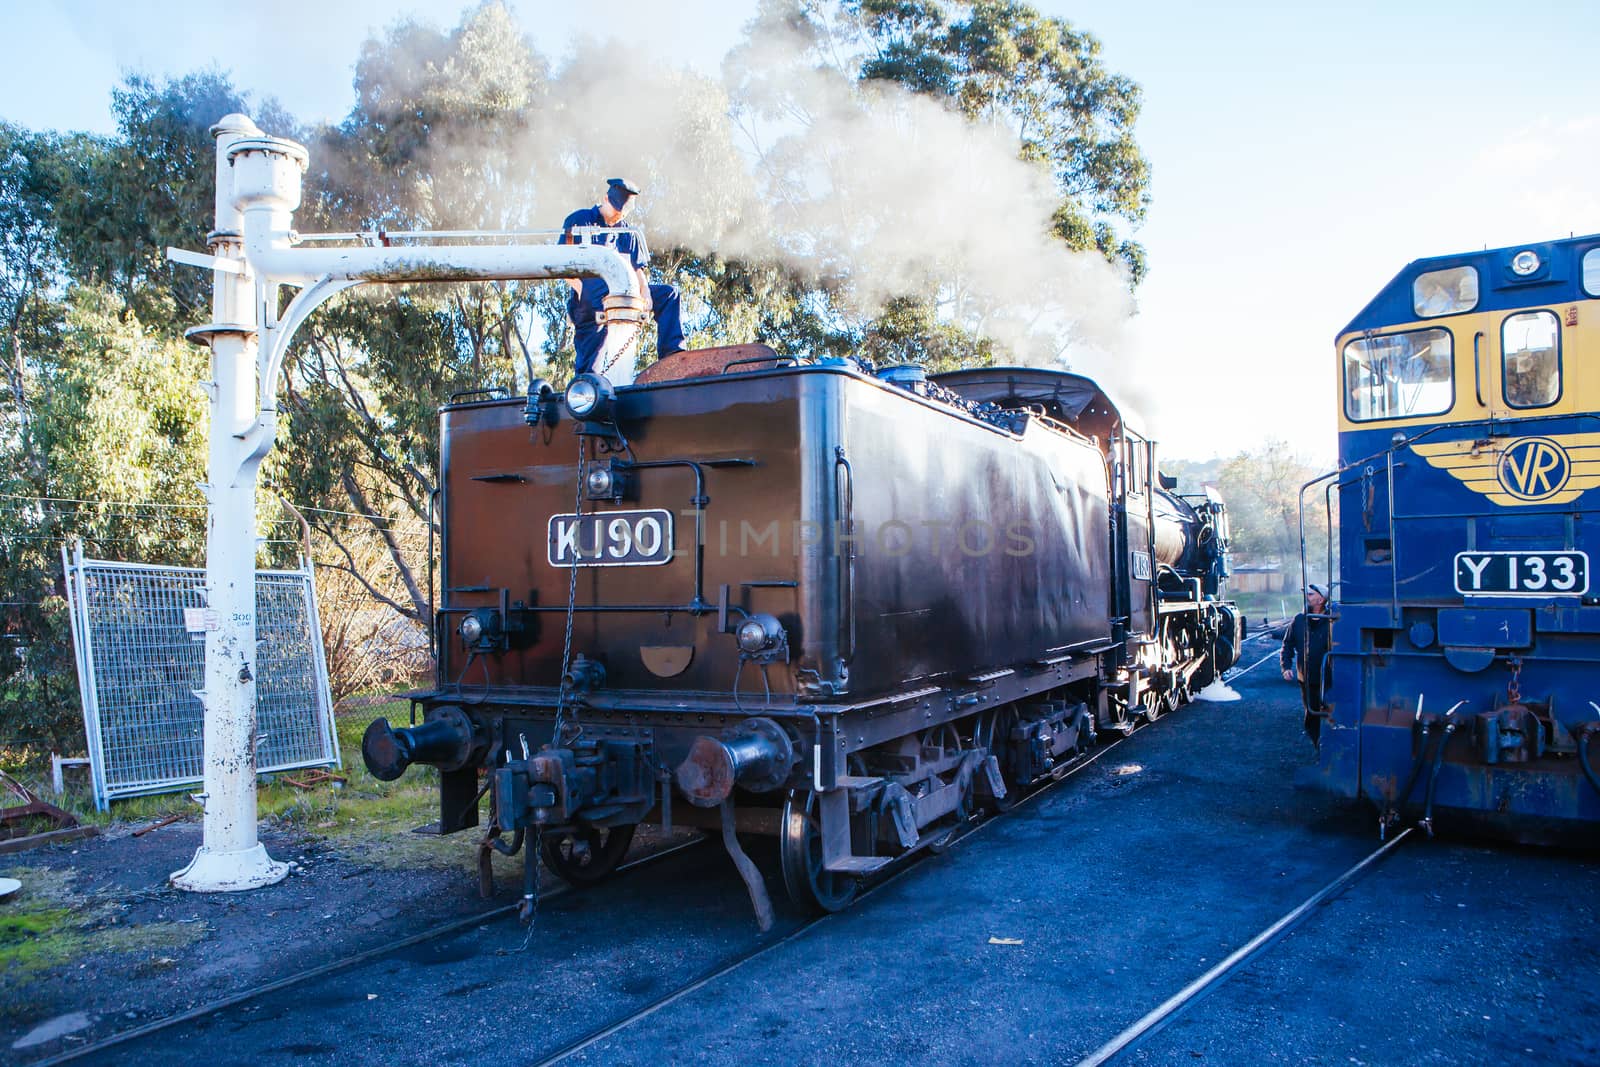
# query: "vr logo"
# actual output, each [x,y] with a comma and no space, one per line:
[1534,468]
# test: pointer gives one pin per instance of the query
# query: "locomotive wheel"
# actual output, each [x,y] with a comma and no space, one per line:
[800,849]
[587,857]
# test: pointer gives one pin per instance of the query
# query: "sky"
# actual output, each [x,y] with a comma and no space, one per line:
[1302,154]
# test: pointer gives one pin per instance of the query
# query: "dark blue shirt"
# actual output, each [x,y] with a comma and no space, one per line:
[627,243]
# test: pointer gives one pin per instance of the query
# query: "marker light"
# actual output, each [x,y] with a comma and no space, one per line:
[538,411]
[758,633]
[599,482]
[589,397]
[471,630]
[1525,262]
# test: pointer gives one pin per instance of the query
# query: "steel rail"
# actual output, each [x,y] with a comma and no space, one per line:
[594,1037]
[457,925]
[334,966]
[1229,676]
[1173,1005]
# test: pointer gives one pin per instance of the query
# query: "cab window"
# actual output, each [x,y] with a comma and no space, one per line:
[1399,375]
[1530,359]
[1591,272]
[1445,292]
[1136,466]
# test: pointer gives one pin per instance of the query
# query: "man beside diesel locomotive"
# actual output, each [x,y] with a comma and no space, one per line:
[585,300]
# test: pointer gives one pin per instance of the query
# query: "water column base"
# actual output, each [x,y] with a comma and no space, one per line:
[229,872]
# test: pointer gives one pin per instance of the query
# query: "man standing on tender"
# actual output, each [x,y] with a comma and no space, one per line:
[584,303]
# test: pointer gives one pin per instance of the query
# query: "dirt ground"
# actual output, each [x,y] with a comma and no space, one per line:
[1032,942]
[96,941]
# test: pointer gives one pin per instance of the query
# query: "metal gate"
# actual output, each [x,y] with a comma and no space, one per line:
[138,632]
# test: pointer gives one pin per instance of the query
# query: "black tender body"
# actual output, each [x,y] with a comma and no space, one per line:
[887,600]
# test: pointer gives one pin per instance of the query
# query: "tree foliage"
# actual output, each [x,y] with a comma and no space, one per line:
[111,422]
[98,403]
[1261,487]
[1004,62]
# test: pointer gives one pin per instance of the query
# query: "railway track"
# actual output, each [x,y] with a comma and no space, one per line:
[600,1033]
[595,1036]
[1169,1009]
[1066,771]
[345,963]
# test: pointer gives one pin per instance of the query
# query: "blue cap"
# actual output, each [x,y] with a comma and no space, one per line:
[618,190]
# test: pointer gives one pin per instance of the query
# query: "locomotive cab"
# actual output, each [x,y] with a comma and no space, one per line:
[1461,676]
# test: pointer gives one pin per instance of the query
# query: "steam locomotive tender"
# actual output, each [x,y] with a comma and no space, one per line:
[839,607]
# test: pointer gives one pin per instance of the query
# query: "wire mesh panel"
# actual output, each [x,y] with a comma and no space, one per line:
[139,637]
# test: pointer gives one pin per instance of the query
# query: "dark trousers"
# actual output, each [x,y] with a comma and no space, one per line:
[590,338]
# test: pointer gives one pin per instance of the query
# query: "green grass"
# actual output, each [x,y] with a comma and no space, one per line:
[49,924]
[371,821]
[364,818]
[368,820]
[275,798]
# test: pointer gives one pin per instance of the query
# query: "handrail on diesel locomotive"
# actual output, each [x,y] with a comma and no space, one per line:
[813,600]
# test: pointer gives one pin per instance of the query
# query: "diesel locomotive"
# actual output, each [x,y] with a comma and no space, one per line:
[1464,671]
[837,605]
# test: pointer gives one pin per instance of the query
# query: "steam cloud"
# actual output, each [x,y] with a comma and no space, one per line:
[872,189]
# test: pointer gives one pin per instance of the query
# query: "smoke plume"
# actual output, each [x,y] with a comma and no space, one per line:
[868,188]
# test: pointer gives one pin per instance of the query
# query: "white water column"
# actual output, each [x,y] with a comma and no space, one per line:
[230,857]
[253,254]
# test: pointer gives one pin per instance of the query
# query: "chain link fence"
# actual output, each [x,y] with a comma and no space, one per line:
[139,637]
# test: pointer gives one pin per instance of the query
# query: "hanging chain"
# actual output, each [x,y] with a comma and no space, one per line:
[1514,686]
[535,844]
[572,600]
[623,349]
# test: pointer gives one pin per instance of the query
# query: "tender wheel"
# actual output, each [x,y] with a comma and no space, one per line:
[800,849]
[963,815]
[994,734]
[587,857]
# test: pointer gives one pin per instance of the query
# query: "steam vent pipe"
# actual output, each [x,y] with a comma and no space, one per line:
[757,755]
[253,252]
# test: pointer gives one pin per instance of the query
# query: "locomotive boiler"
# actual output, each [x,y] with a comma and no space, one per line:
[838,606]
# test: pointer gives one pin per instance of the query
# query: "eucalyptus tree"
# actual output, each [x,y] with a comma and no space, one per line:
[1044,78]
[471,127]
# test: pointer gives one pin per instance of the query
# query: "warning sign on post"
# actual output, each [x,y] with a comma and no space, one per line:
[200,620]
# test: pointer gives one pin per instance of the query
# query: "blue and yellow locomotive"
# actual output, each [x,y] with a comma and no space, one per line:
[1463,683]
